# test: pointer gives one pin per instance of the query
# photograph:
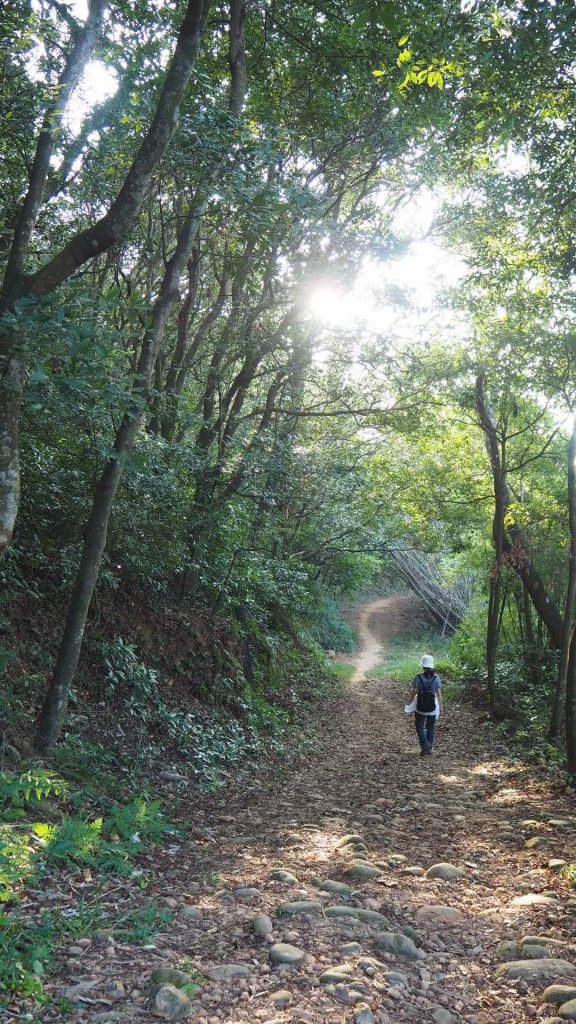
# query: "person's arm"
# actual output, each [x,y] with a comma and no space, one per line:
[439,698]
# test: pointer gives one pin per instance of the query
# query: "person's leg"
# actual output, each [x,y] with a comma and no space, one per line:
[420,723]
[430,729]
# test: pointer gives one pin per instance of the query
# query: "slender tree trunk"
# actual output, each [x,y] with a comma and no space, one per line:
[526,612]
[95,534]
[54,708]
[13,286]
[530,638]
[515,548]
[571,711]
[493,636]
[77,59]
[11,384]
[513,540]
[497,454]
[570,610]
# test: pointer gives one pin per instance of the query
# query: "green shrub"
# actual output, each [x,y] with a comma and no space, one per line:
[569,872]
[209,744]
[18,861]
[139,926]
[333,633]
[83,761]
[106,844]
[342,671]
[28,947]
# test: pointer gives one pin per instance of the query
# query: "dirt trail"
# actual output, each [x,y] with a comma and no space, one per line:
[469,805]
[372,644]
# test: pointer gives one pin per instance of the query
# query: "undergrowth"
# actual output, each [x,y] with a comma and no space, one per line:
[89,813]
[207,743]
[43,835]
[333,632]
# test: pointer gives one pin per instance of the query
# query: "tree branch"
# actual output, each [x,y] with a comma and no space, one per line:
[114,225]
[77,59]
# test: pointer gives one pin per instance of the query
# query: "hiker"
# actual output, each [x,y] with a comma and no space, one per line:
[426,703]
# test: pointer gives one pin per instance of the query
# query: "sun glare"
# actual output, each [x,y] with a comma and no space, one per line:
[332,307]
[98,83]
[384,290]
[414,282]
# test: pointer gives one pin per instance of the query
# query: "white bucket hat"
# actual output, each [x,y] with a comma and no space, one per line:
[427,661]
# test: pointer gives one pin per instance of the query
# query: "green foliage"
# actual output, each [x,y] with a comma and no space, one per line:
[333,633]
[210,743]
[107,843]
[276,458]
[125,672]
[71,843]
[25,953]
[569,873]
[139,926]
[254,479]
[18,861]
[140,822]
[190,989]
[27,789]
[342,672]
[27,947]
[84,761]
[6,659]
[468,645]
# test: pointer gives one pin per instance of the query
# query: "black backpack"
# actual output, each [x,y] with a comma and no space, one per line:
[426,698]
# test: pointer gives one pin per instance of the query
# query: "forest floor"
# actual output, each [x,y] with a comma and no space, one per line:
[278,917]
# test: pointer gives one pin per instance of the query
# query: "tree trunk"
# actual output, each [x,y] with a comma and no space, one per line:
[514,543]
[492,637]
[495,446]
[11,365]
[10,397]
[568,631]
[571,712]
[95,534]
[515,548]
[54,708]
[76,62]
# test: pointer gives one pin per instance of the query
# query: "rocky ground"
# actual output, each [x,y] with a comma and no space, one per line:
[365,884]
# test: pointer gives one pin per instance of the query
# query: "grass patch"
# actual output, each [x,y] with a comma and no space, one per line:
[342,671]
[404,652]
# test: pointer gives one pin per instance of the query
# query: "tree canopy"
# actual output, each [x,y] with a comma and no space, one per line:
[178,183]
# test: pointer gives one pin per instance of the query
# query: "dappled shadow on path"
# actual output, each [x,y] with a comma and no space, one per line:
[467,804]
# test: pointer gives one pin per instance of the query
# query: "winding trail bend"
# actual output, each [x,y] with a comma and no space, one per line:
[469,805]
[378,622]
